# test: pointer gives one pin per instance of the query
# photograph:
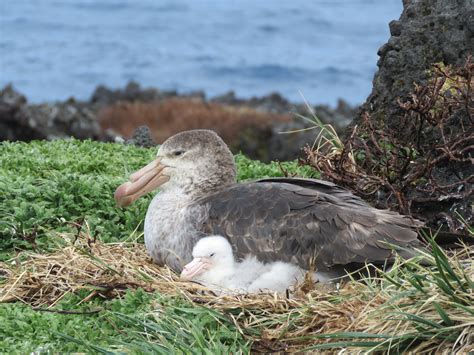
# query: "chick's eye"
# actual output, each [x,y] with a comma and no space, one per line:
[177,153]
[212,254]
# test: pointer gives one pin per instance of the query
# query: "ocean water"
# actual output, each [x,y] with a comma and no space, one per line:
[325,49]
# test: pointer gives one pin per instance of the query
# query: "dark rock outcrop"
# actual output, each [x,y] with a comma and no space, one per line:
[286,146]
[276,142]
[430,38]
[286,140]
[142,138]
[21,121]
[11,103]
[132,92]
[428,31]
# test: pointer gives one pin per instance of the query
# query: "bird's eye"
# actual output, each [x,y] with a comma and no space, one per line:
[177,153]
[212,254]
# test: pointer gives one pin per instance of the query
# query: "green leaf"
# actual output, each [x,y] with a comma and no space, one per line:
[444,316]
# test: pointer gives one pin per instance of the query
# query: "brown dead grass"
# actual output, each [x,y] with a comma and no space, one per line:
[175,115]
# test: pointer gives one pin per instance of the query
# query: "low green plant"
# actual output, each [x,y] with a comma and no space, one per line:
[26,330]
[45,186]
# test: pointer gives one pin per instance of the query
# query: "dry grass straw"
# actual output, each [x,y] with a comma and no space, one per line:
[374,313]
[105,269]
[327,146]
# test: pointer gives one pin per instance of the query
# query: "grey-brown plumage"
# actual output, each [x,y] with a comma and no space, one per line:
[295,220]
[288,219]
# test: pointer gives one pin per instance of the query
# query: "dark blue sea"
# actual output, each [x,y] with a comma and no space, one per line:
[53,49]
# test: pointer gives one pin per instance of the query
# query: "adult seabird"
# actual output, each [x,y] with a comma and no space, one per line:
[280,219]
[214,265]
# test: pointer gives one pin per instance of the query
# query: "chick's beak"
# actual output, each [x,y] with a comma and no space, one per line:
[195,268]
[141,182]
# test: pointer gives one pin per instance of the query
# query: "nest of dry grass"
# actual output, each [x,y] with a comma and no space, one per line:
[377,313]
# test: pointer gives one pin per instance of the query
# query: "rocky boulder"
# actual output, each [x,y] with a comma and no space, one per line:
[21,121]
[142,138]
[414,138]
[428,31]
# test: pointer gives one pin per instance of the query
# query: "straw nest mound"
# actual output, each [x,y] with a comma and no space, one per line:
[431,308]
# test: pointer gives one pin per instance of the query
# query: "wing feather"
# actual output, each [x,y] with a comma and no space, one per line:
[295,222]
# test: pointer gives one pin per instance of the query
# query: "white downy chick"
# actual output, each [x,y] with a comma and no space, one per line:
[214,265]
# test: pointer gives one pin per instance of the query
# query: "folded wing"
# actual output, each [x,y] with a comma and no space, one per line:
[303,220]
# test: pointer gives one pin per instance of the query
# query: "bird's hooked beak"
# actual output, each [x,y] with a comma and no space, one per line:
[195,268]
[141,182]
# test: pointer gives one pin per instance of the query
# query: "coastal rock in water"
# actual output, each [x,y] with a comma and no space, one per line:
[20,121]
[132,92]
[11,103]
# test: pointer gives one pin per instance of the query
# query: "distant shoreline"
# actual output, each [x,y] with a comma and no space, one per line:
[251,125]
[133,91]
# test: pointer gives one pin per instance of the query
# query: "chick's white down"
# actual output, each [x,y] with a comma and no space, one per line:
[218,269]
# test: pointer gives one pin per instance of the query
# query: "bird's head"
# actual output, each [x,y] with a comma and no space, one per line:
[191,162]
[213,260]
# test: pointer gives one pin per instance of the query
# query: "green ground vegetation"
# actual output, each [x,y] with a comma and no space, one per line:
[44,186]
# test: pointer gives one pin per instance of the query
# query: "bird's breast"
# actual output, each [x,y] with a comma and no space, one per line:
[171,229]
